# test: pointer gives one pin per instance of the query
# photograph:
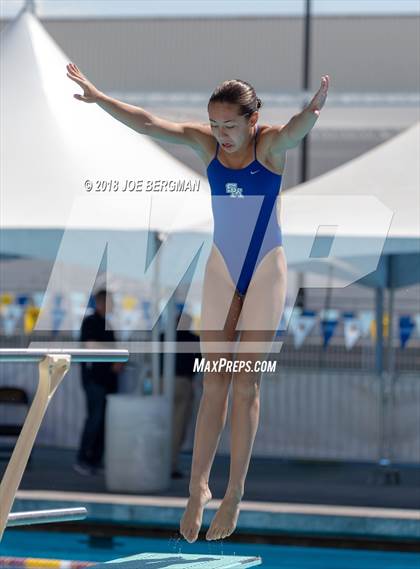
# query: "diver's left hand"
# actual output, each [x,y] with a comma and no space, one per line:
[320,97]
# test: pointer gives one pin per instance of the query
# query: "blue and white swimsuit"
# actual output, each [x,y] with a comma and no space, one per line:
[245,218]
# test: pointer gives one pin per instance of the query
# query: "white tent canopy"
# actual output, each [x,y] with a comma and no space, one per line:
[389,172]
[381,247]
[52,144]
[385,180]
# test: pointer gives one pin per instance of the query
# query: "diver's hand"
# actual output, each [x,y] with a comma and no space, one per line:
[90,93]
[319,98]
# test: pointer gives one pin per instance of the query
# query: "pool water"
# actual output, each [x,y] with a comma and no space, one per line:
[76,547]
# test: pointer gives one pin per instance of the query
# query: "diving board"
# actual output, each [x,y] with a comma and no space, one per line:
[180,561]
[53,364]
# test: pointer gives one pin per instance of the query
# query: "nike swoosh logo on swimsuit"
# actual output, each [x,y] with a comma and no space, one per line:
[244,230]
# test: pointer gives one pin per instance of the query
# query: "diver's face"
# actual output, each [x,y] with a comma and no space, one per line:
[231,130]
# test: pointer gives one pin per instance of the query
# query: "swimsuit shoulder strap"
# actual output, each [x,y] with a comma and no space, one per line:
[255,143]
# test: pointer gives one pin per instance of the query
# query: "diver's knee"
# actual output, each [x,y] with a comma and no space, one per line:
[217,382]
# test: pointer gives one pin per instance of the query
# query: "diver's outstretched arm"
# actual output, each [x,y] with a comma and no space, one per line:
[140,120]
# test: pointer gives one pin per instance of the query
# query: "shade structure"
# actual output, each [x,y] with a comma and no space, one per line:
[61,161]
[53,147]
[377,197]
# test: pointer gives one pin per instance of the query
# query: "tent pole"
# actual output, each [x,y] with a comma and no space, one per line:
[379,292]
[304,146]
[390,372]
[169,357]
[386,474]
[391,348]
[392,475]
[384,393]
[156,307]
[380,372]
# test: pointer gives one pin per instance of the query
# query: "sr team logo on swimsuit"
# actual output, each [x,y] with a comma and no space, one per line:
[234,191]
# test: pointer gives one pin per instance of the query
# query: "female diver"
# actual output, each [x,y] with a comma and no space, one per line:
[245,278]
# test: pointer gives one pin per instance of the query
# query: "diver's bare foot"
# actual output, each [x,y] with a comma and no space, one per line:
[193,516]
[224,522]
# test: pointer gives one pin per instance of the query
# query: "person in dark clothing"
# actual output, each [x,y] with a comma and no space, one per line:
[183,390]
[98,380]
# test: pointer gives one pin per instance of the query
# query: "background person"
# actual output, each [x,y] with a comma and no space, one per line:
[183,388]
[98,380]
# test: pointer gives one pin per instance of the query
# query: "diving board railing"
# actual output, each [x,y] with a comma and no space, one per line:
[46,516]
[53,364]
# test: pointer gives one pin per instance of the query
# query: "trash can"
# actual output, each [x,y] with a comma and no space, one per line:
[138,442]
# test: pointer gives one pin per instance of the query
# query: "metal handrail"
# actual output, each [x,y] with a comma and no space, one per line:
[53,364]
[77,355]
[46,516]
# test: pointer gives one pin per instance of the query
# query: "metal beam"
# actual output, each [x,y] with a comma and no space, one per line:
[46,516]
[77,355]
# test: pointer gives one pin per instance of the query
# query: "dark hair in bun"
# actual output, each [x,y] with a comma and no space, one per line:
[237,92]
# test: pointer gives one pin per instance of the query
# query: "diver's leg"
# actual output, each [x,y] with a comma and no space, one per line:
[262,308]
[220,305]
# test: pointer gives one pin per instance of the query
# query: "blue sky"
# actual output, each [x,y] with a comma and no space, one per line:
[124,8]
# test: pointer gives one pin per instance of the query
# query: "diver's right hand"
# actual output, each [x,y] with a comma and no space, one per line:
[90,93]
